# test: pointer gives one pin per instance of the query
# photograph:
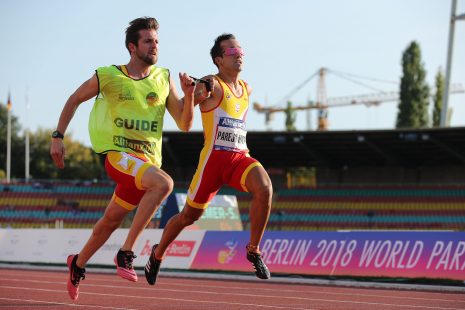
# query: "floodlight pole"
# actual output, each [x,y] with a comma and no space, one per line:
[445,96]
[8,148]
[27,136]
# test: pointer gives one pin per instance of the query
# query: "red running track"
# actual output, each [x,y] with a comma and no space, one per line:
[22,289]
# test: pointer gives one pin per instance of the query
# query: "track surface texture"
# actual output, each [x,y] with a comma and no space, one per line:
[28,289]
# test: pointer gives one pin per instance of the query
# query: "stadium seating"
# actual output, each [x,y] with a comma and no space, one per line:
[43,205]
[380,207]
[321,208]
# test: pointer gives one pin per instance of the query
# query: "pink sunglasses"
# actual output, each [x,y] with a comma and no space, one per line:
[233,51]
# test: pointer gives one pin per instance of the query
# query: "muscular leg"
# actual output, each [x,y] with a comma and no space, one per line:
[175,225]
[158,185]
[258,184]
[111,220]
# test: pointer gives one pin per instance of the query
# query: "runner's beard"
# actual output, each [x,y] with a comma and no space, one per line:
[146,59]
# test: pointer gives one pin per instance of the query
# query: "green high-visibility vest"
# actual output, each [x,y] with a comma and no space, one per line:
[128,114]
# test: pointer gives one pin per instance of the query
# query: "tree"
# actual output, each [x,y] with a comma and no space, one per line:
[81,163]
[17,144]
[437,99]
[414,92]
[290,117]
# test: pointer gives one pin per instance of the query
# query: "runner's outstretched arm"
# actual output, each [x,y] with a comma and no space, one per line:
[182,110]
[86,91]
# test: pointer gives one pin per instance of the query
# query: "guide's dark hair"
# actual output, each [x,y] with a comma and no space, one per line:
[132,32]
[216,49]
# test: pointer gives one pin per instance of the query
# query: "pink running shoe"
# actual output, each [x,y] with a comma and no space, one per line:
[123,261]
[75,276]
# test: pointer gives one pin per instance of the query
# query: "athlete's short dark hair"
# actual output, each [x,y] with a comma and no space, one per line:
[132,32]
[216,49]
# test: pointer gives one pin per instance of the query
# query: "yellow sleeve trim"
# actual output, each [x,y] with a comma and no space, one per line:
[123,203]
[140,173]
[246,172]
[196,205]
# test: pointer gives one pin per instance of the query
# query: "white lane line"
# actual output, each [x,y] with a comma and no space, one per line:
[317,292]
[275,290]
[249,295]
[149,297]
[289,285]
[63,303]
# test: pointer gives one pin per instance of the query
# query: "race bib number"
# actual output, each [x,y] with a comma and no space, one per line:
[231,135]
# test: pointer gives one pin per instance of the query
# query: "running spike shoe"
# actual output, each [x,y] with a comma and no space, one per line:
[76,274]
[123,261]
[152,268]
[261,271]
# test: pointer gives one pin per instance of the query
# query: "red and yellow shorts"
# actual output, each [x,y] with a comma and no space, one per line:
[215,169]
[126,170]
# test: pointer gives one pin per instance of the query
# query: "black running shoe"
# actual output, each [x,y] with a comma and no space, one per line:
[76,274]
[261,271]
[152,268]
[123,261]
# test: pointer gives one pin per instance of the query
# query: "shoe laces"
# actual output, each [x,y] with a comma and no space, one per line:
[128,259]
[258,260]
[78,275]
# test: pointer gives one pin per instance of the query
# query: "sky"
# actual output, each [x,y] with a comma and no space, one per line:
[49,48]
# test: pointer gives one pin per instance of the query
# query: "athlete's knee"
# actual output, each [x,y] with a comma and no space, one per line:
[113,223]
[163,185]
[156,179]
[264,193]
[188,218]
[167,185]
[106,223]
[111,220]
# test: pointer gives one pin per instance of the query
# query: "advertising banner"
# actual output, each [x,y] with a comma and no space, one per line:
[42,245]
[179,254]
[356,253]
[55,245]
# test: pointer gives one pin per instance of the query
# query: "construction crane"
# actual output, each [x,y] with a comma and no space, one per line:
[323,103]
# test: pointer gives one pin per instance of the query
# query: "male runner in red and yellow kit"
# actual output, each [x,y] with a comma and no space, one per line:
[224,159]
[126,125]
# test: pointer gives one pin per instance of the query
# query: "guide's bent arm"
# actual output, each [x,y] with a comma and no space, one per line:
[182,110]
[85,92]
